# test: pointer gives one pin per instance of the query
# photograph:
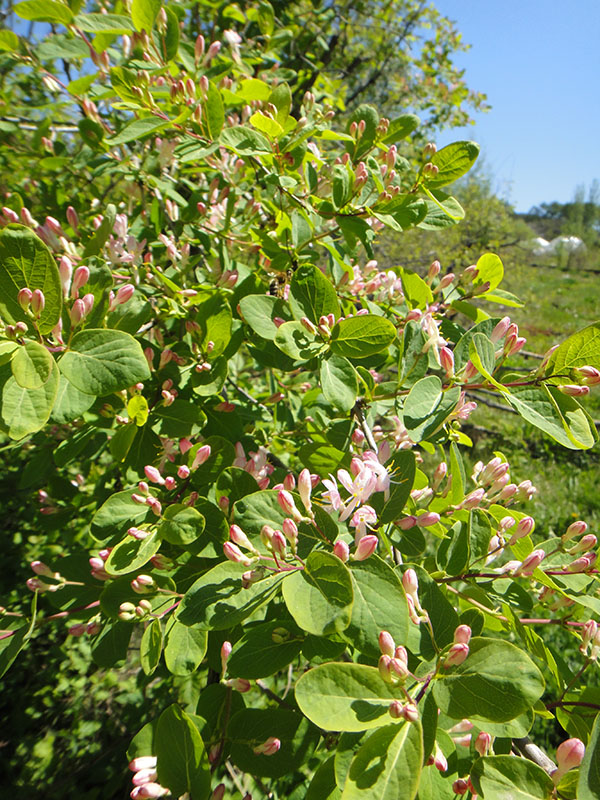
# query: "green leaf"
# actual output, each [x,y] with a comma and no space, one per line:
[320,596]
[143,14]
[32,365]
[253,89]
[266,125]
[182,525]
[118,513]
[338,382]
[359,337]
[427,407]
[489,268]
[402,469]
[387,765]
[417,292]
[25,411]
[323,785]
[252,726]
[265,649]
[295,341]
[185,648]
[346,697]
[245,141]
[379,604]
[213,112]
[9,41]
[588,787]
[483,688]
[556,414]
[510,778]
[259,310]
[102,361]
[482,353]
[132,554]
[218,601]
[44,11]
[137,130]
[579,350]
[151,647]
[26,262]
[312,295]
[400,128]
[452,162]
[341,186]
[110,646]
[281,98]
[104,23]
[443,211]
[137,410]
[182,764]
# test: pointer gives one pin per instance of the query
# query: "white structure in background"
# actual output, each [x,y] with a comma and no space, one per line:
[564,244]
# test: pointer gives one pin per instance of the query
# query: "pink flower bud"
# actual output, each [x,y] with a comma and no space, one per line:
[446,281]
[304,489]
[531,563]
[573,390]
[88,302]
[150,790]
[42,569]
[226,649]
[588,633]
[290,530]
[238,537]
[287,504]
[96,563]
[24,298]
[365,548]
[124,293]
[396,710]
[462,634]
[399,668]
[407,523]
[473,499]
[77,312]
[279,544]
[456,655]
[144,776]
[439,759]
[427,519]
[569,754]
[78,629]
[384,667]
[341,550]
[218,793]
[410,582]
[239,684]
[524,527]
[574,529]
[38,302]
[268,747]
[500,330]
[233,553]
[460,786]
[585,543]
[183,471]
[142,762]
[201,457]
[483,743]
[387,644]
[434,270]
[581,564]
[153,474]
[80,277]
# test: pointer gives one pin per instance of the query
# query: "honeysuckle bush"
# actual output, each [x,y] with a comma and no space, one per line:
[235,405]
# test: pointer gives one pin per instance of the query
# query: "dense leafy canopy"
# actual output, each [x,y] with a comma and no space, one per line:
[226,406]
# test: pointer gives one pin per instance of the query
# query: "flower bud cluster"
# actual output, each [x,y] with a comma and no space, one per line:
[144,779]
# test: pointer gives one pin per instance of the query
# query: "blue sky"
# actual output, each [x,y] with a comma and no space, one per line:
[538,61]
